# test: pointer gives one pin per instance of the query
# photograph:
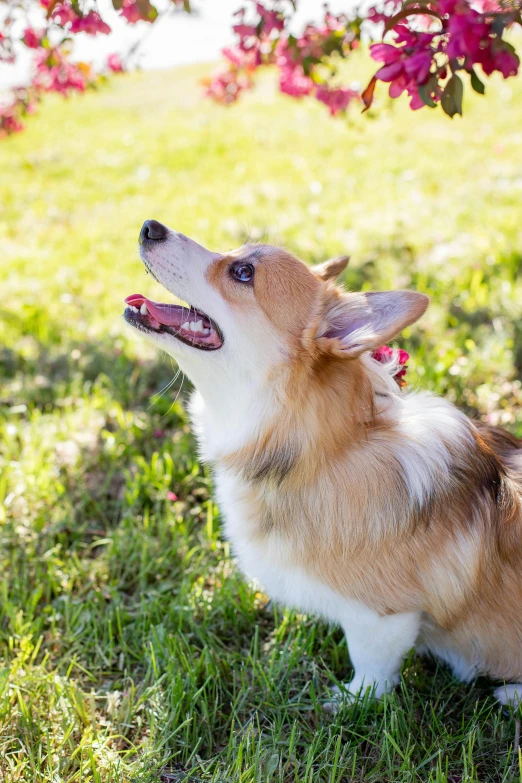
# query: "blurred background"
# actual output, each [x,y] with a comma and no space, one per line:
[131,647]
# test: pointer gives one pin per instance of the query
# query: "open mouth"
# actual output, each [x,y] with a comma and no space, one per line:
[187,324]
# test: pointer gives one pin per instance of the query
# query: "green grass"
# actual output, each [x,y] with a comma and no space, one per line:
[129,643]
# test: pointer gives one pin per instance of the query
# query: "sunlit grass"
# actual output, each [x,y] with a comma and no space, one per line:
[129,642]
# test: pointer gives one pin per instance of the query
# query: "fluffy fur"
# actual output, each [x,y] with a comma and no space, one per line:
[390,513]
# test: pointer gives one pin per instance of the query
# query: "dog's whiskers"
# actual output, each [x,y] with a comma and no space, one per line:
[177,395]
[157,397]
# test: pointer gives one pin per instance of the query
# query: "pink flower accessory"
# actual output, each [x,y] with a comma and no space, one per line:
[387,355]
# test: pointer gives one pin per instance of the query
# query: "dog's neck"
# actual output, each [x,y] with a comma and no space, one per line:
[326,413]
[229,413]
[271,441]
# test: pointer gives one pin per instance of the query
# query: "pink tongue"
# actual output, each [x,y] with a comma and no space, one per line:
[168,315]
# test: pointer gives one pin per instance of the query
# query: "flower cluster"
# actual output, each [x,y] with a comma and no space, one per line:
[12,112]
[56,73]
[53,68]
[431,41]
[426,46]
[449,36]
[396,357]
[306,63]
[91,23]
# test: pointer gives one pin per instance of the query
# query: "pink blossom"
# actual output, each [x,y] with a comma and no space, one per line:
[130,11]
[171,496]
[382,354]
[416,100]
[385,53]
[64,14]
[505,61]
[447,7]
[10,121]
[418,66]
[33,38]
[337,99]
[91,23]
[234,55]
[403,64]
[114,63]
[55,73]
[467,34]
[245,31]
[272,20]
[226,85]
[390,72]
[294,82]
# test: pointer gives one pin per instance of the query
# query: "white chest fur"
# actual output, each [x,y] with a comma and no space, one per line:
[268,560]
[377,644]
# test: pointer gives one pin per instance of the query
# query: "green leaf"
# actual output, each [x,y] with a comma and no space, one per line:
[451,99]
[117,4]
[476,83]
[424,92]
[147,11]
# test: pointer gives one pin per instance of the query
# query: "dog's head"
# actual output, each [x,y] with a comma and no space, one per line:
[257,309]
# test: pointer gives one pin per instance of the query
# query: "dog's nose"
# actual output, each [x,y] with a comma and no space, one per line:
[153,231]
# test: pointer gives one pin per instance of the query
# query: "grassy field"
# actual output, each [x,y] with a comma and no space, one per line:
[131,649]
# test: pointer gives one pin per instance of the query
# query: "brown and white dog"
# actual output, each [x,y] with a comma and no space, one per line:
[388,512]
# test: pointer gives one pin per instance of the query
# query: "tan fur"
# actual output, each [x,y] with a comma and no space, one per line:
[321,479]
[332,268]
[295,286]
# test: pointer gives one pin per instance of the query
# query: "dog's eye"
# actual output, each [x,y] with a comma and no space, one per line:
[242,272]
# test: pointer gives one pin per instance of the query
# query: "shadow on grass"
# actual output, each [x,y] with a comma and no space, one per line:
[42,370]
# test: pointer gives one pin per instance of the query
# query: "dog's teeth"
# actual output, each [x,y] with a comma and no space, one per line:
[192,327]
[205,332]
[198,326]
[134,309]
[186,326]
[143,309]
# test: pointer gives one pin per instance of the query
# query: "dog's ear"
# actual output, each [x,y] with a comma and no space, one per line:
[331,268]
[357,322]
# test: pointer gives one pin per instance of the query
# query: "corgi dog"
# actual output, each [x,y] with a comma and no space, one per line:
[388,512]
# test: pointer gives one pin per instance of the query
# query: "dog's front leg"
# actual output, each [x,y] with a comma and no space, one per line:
[377,646]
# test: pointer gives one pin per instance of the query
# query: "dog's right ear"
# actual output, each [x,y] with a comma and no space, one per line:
[331,268]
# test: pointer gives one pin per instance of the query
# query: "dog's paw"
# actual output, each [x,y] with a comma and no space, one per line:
[339,696]
[510,695]
[355,690]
